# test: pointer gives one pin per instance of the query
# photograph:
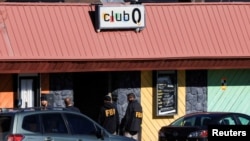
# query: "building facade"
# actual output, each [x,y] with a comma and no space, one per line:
[187,58]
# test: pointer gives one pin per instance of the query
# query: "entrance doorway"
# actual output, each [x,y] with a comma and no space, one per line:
[89,90]
[28,90]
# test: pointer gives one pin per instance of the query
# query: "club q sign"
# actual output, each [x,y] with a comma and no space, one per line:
[120,17]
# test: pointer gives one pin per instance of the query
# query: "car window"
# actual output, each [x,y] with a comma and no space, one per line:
[5,122]
[205,121]
[177,122]
[227,121]
[31,123]
[81,125]
[54,123]
[243,120]
[189,121]
[201,120]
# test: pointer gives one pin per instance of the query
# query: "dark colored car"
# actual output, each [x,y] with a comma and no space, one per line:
[194,127]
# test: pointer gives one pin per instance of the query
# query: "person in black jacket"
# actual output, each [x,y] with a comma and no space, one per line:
[132,119]
[69,105]
[108,116]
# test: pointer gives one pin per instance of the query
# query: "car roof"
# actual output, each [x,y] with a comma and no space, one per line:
[12,111]
[221,113]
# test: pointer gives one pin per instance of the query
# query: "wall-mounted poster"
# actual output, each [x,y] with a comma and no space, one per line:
[166,93]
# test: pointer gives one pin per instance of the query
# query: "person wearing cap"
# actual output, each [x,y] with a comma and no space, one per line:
[132,119]
[44,102]
[108,116]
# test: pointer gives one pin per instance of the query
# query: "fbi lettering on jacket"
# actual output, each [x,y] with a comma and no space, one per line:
[109,112]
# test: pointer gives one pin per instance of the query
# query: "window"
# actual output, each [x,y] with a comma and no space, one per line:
[81,125]
[178,122]
[206,121]
[31,123]
[189,121]
[243,120]
[54,123]
[227,121]
[5,124]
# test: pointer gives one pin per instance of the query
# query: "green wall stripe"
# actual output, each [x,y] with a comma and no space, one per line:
[235,97]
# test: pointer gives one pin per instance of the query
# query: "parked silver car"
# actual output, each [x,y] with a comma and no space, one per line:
[55,124]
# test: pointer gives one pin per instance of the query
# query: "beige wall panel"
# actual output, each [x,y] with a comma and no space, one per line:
[181,80]
[152,124]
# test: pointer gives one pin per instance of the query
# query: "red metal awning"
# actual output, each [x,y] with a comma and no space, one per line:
[36,33]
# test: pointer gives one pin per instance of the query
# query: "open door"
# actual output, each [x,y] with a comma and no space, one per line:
[28,90]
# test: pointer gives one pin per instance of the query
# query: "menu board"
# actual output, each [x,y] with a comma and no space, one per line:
[166,93]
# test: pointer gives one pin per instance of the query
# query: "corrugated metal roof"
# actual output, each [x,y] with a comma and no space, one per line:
[45,31]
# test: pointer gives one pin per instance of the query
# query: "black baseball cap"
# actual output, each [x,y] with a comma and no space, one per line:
[107,98]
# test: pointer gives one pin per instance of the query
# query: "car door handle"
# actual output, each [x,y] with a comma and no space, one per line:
[48,139]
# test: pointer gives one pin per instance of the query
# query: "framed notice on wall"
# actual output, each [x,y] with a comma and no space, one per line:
[166,93]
